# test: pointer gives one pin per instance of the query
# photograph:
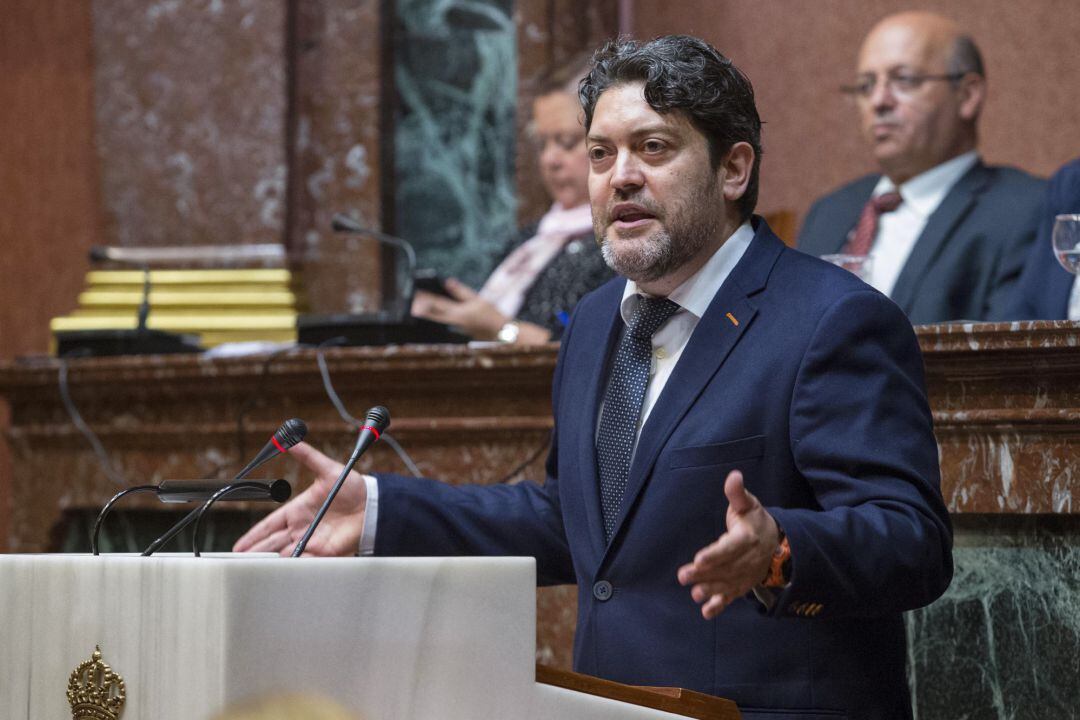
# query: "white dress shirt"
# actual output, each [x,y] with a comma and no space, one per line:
[693,297]
[899,230]
[1074,301]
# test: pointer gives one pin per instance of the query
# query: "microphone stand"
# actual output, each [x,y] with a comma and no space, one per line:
[108,506]
[112,341]
[344,224]
[384,327]
[375,423]
[302,545]
[278,491]
[200,511]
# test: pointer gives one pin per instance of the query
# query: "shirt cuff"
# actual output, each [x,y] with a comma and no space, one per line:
[371,516]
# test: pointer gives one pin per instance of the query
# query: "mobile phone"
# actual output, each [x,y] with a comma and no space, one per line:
[430,281]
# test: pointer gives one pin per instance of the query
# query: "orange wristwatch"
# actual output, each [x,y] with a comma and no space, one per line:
[780,567]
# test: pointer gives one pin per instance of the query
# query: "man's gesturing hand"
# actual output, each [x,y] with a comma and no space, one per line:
[739,560]
[341,527]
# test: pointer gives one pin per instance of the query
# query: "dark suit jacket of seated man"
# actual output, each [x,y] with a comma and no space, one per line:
[783,367]
[967,261]
[1046,288]
[954,247]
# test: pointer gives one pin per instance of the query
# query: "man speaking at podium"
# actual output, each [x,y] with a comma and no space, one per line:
[743,479]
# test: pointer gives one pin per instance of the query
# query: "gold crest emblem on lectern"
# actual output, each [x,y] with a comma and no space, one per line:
[94,691]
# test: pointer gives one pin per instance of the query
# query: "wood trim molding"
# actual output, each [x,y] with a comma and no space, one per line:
[673,700]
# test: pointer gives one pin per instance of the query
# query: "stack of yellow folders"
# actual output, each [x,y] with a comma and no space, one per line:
[217,305]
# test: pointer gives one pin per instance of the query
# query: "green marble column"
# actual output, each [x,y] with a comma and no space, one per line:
[455,72]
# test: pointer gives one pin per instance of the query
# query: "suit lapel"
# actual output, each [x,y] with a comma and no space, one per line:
[708,348]
[939,228]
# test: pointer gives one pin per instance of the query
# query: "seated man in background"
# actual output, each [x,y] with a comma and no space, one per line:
[550,265]
[1046,290]
[945,235]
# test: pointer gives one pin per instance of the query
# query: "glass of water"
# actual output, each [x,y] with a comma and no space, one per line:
[858,264]
[1067,242]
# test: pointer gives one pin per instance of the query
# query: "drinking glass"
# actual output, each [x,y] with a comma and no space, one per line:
[858,264]
[1066,238]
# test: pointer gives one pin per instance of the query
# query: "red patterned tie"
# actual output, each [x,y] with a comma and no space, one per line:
[862,237]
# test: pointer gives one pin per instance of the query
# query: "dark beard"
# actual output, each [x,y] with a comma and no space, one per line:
[681,238]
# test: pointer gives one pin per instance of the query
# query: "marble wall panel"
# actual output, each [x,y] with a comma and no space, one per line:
[454,131]
[335,129]
[49,213]
[1004,640]
[191,120]
[1005,402]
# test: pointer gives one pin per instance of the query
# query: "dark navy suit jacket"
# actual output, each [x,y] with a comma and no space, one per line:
[1044,287]
[808,381]
[966,262]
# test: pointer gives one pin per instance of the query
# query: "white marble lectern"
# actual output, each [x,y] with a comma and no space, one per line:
[408,638]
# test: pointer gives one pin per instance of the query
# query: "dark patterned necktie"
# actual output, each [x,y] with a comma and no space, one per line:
[862,237]
[628,376]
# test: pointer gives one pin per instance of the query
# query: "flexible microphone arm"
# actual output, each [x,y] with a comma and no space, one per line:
[171,491]
[103,254]
[108,506]
[376,421]
[290,433]
[345,224]
[283,493]
[144,306]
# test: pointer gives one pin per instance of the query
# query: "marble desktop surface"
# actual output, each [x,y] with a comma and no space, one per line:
[388,638]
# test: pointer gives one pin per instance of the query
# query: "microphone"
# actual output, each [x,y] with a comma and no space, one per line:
[345,224]
[99,253]
[290,433]
[186,491]
[376,421]
[114,341]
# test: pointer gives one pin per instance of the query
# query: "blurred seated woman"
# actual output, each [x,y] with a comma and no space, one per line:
[550,265]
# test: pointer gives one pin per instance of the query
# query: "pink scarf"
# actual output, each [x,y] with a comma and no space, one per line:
[506,286]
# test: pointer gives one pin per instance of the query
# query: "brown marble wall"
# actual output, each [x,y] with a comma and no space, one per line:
[798,54]
[335,123]
[335,142]
[1006,405]
[49,213]
[191,108]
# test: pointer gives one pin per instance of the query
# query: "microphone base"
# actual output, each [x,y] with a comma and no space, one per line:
[102,343]
[373,329]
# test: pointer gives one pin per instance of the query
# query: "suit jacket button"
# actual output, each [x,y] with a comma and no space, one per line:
[602,591]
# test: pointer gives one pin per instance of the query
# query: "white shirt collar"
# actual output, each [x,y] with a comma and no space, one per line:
[697,291]
[924,192]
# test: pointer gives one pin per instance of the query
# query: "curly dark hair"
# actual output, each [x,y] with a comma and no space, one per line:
[685,74]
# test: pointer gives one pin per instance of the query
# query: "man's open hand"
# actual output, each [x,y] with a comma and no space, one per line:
[739,560]
[341,527]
